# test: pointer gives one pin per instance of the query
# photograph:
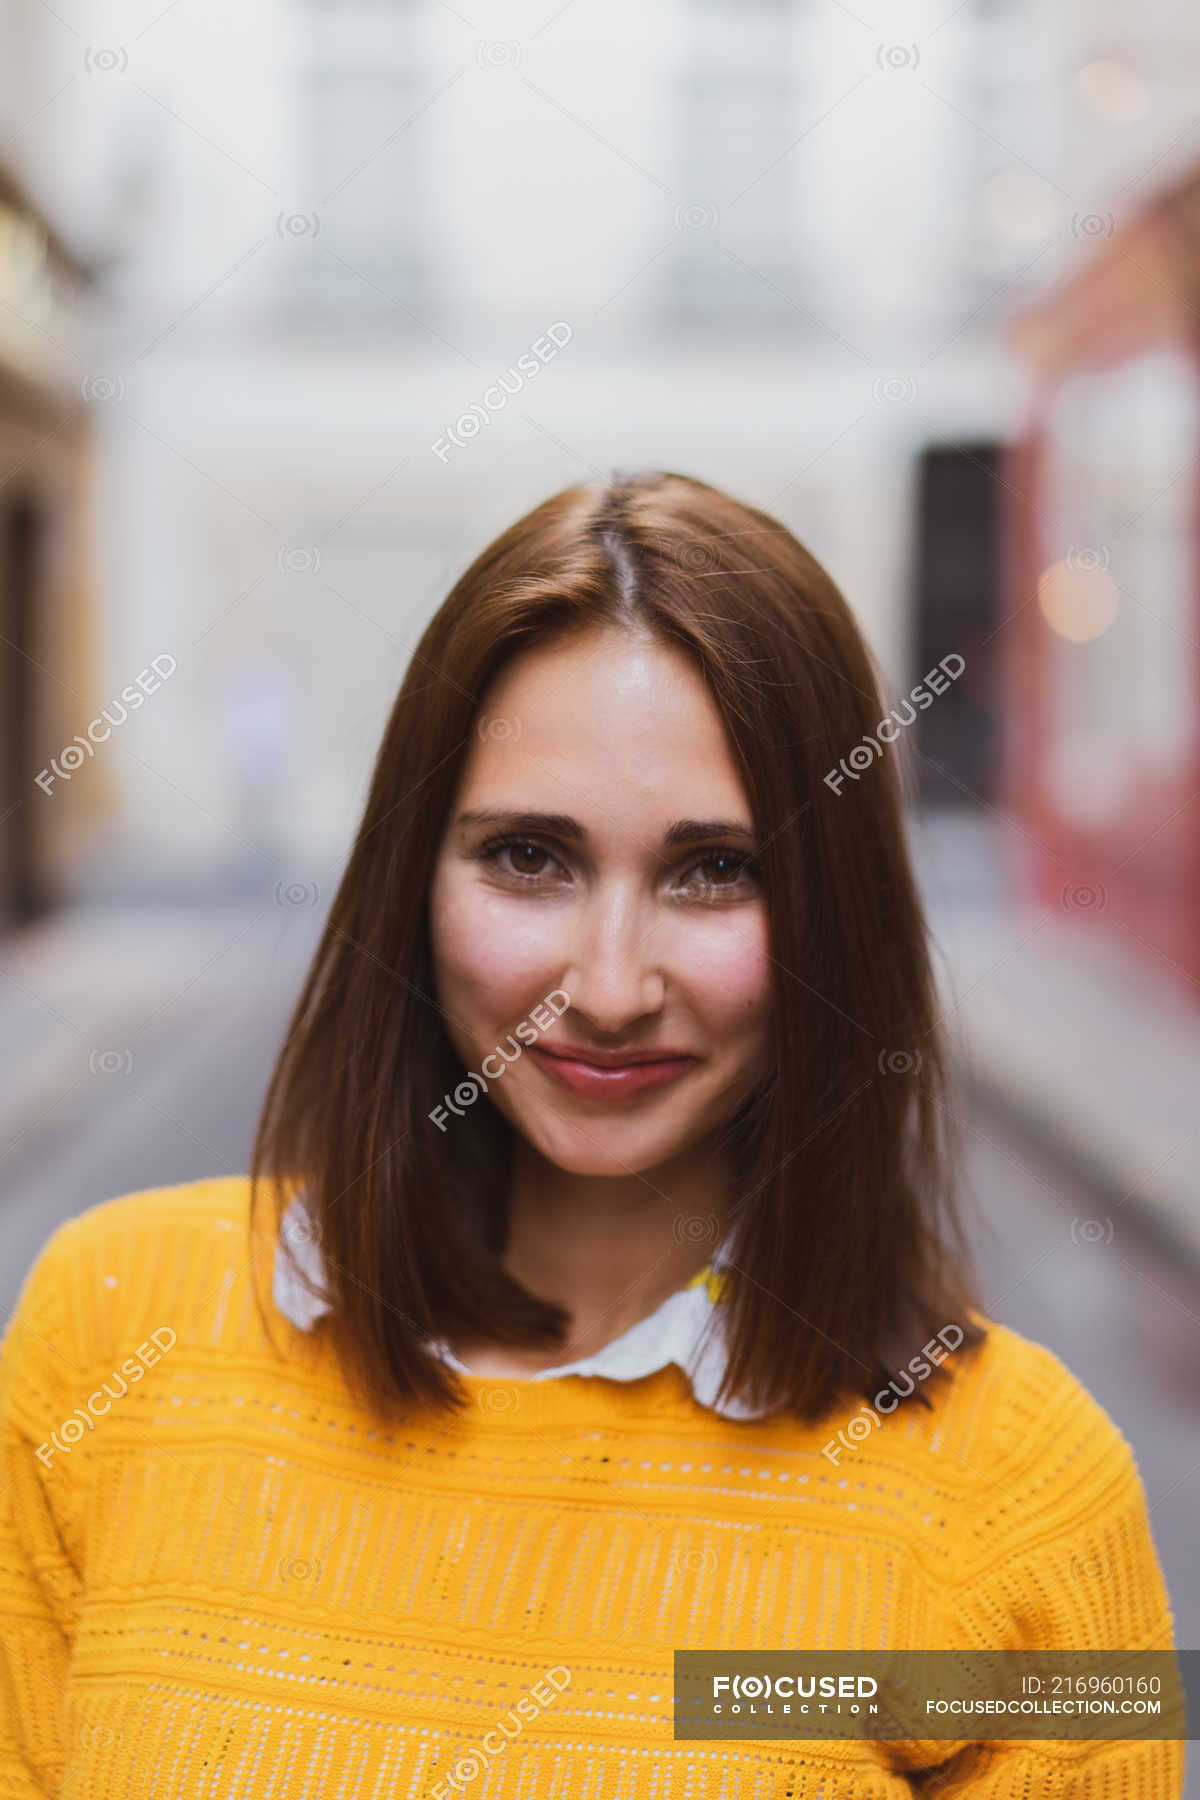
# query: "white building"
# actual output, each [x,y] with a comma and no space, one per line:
[777,241]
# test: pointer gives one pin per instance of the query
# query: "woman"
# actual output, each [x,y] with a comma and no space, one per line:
[603,1295]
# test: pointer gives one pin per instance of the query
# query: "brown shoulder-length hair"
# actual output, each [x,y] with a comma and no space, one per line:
[850,1255]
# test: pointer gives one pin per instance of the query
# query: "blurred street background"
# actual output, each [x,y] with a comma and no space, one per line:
[300,304]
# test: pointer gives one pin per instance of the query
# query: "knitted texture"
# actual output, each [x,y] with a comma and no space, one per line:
[225,1578]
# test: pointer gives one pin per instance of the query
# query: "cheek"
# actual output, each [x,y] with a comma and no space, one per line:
[727,973]
[488,950]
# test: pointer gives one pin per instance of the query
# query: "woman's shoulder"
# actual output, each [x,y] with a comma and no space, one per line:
[152,1226]
[1006,1356]
[155,1257]
[1008,1434]
[1052,1536]
[1012,1396]
[1031,1454]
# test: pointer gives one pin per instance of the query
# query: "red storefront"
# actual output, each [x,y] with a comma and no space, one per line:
[1101,649]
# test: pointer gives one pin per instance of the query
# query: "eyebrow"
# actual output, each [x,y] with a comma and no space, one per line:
[680,831]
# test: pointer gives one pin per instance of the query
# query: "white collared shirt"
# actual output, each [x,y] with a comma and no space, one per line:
[677,1331]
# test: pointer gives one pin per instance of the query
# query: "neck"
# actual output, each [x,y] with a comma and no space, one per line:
[610,1248]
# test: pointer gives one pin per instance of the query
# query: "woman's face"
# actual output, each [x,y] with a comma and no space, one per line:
[629,906]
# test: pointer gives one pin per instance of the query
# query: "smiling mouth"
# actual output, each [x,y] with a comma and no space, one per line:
[612,1080]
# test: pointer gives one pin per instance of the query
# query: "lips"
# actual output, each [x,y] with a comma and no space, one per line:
[613,1059]
[637,1072]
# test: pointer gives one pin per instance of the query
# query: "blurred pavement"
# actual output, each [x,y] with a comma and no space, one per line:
[135,1043]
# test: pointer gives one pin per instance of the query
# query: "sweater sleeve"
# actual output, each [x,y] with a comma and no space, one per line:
[40,1529]
[1060,1556]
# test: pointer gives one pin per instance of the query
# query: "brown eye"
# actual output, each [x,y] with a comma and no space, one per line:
[723,867]
[527,858]
[517,859]
[723,872]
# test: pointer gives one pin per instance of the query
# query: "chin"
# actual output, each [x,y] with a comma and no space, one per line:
[602,1147]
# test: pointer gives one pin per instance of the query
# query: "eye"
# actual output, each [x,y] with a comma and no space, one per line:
[724,872]
[528,859]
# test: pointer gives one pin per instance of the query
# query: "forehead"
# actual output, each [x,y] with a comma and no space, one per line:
[622,706]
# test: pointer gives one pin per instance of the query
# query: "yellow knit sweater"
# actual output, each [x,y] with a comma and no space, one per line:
[228,1580]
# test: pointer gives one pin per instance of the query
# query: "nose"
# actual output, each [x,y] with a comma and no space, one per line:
[614,977]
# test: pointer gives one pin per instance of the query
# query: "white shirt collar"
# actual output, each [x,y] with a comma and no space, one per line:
[677,1331]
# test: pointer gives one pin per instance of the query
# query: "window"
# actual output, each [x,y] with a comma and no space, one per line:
[360,150]
[1014,209]
[739,116]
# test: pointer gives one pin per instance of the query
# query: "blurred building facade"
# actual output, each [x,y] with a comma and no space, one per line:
[374,283]
[46,596]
